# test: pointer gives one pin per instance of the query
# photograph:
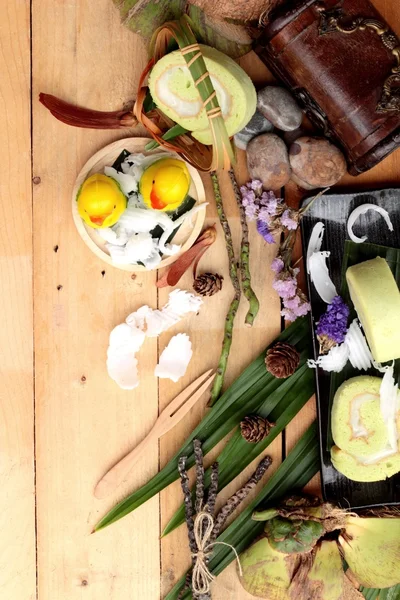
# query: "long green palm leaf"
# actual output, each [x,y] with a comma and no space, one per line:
[280,407]
[301,464]
[392,593]
[245,396]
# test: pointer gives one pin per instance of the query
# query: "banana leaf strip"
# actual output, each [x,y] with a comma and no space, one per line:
[172,133]
[301,464]
[280,407]
[246,395]
[392,593]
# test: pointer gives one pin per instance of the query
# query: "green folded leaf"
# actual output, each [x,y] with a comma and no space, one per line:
[301,464]
[245,396]
[280,408]
[168,135]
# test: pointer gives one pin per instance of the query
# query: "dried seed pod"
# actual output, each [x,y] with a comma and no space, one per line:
[282,360]
[208,284]
[255,428]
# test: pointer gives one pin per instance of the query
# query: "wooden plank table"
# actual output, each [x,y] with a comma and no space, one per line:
[63,421]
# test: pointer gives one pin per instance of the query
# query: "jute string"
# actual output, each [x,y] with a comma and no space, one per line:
[203,529]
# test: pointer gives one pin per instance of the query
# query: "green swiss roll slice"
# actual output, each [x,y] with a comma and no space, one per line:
[172,89]
[353,469]
[357,423]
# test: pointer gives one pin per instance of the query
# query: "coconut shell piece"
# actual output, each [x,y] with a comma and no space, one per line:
[324,579]
[282,360]
[237,10]
[267,573]
[371,548]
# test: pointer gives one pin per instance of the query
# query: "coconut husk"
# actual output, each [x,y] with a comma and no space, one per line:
[237,10]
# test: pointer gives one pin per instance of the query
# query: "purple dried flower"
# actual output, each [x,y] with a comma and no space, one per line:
[303,309]
[264,215]
[255,185]
[248,197]
[263,230]
[292,303]
[299,304]
[288,314]
[285,285]
[288,221]
[270,201]
[277,265]
[332,326]
[251,212]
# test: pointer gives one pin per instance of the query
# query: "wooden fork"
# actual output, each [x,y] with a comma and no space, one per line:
[171,415]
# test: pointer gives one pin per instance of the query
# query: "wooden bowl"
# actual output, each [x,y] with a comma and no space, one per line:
[187,234]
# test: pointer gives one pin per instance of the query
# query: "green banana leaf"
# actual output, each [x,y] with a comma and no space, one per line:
[392,593]
[245,396]
[301,464]
[280,408]
[172,133]
[144,17]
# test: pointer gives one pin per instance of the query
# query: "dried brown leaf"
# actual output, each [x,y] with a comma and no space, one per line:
[180,266]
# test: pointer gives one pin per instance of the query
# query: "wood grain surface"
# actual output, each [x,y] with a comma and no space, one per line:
[17,496]
[63,421]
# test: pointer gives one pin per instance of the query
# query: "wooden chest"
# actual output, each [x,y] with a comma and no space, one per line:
[342,61]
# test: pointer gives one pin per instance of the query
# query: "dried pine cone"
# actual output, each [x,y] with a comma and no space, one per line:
[282,360]
[208,284]
[255,428]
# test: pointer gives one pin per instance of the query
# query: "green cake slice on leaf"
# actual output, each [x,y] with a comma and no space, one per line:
[175,94]
[362,450]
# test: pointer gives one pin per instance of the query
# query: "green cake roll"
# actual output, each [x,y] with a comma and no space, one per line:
[376,298]
[172,89]
[357,423]
[348,465]
[363,450]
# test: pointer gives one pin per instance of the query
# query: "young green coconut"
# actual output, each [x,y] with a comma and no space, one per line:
[299,555]
[371,548]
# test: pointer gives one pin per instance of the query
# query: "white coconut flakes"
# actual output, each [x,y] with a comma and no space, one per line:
[361,210]
[175,358]
[127,338]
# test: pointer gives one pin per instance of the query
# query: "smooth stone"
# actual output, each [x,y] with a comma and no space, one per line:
[316,163]
[258,124]
[268,160]
[278,106]
[291,136]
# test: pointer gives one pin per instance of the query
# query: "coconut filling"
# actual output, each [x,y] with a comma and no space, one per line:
[184,108]
[357,427]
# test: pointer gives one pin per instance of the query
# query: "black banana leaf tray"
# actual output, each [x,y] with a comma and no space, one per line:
[333,210]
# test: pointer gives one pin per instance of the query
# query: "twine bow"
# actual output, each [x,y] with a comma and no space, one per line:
[203,530]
